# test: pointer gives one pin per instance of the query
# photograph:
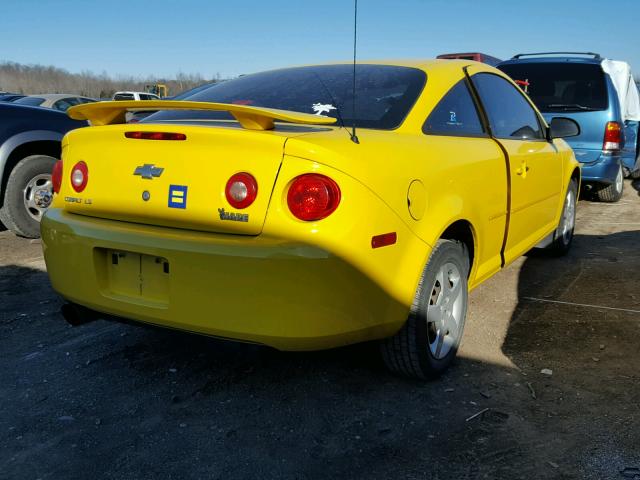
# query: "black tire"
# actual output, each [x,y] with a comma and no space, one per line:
[562,239]
[612,193]
[77,315]
[14,213]
[636,173]
[408,352]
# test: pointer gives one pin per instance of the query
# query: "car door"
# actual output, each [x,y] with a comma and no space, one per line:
[457,139]
[535,167]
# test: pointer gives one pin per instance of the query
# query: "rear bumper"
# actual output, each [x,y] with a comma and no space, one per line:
[285,294]
[603,171]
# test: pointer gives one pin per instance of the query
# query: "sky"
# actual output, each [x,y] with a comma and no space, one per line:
[230,37]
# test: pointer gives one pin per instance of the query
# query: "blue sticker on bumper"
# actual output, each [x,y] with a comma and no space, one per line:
[177,196]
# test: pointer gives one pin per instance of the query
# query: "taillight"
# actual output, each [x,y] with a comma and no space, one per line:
[313,197]
[155,135]
[79,176]
[56,176]
[612,137]
[241,190]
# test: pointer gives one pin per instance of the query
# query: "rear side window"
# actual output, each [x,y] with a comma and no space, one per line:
[64,104]
[124,96]
[455,115]
[510,114]
[562,87]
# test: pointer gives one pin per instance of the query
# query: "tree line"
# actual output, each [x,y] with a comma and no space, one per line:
[35,79]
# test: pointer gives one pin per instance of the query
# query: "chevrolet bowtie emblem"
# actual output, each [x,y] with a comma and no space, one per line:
[148,171]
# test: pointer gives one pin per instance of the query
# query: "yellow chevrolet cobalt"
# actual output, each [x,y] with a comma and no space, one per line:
[270,209]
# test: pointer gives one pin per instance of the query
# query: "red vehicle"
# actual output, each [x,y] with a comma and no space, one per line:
[478,57]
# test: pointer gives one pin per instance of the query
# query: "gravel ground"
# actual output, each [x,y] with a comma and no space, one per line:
[116,401]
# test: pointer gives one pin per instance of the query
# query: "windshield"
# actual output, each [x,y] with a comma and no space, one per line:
[562,86]
[33,101]
[384,94]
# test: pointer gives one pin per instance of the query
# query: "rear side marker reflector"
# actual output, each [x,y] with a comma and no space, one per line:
[155,135]
[384,240]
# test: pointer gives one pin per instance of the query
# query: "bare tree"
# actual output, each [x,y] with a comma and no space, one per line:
[35,79]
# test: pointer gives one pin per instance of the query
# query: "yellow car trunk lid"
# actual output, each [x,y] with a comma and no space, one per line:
[174,183]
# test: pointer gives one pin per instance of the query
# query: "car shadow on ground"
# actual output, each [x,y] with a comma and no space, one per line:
[636,185]
[114,400]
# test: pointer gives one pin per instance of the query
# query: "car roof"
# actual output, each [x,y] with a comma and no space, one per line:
[439,64]
[554,59]
[131,91]
[56,96]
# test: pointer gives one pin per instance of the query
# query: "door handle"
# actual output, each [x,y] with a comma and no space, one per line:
[523,169]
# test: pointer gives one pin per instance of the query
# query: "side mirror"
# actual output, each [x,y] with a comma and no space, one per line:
[561,127]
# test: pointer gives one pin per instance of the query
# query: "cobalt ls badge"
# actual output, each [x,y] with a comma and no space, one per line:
[177,196]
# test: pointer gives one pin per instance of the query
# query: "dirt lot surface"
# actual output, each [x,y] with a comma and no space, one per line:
[109,400]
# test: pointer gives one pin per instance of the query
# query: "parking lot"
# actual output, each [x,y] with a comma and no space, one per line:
[125,401]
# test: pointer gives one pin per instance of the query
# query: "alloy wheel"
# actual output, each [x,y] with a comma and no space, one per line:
[37,195]
[445,310]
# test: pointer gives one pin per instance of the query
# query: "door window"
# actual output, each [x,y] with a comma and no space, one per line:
[124,96]
[510,115]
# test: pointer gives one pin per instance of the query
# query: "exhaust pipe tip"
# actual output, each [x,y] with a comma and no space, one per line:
[76,315]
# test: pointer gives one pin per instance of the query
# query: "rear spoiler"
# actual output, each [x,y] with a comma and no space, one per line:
[252,118]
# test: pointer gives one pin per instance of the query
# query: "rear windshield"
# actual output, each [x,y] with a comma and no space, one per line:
[124,96]
[33,101]
[384,94]
[562,86]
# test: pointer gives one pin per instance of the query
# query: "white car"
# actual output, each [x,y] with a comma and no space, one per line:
[135,96]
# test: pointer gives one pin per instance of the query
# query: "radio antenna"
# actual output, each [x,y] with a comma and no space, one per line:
[354,137]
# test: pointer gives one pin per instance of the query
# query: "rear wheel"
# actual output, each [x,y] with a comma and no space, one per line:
[563,236]
[28,195]
[428,342]
[612,193]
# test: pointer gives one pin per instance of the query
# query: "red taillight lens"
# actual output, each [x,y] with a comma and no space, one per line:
[241,190]
[56,176]
[313,197]
[79,176]
[612,136]
[155,135]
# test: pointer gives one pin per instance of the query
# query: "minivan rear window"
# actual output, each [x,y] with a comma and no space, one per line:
[564,87]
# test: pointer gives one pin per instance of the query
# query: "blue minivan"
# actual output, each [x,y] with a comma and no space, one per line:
[576,86]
